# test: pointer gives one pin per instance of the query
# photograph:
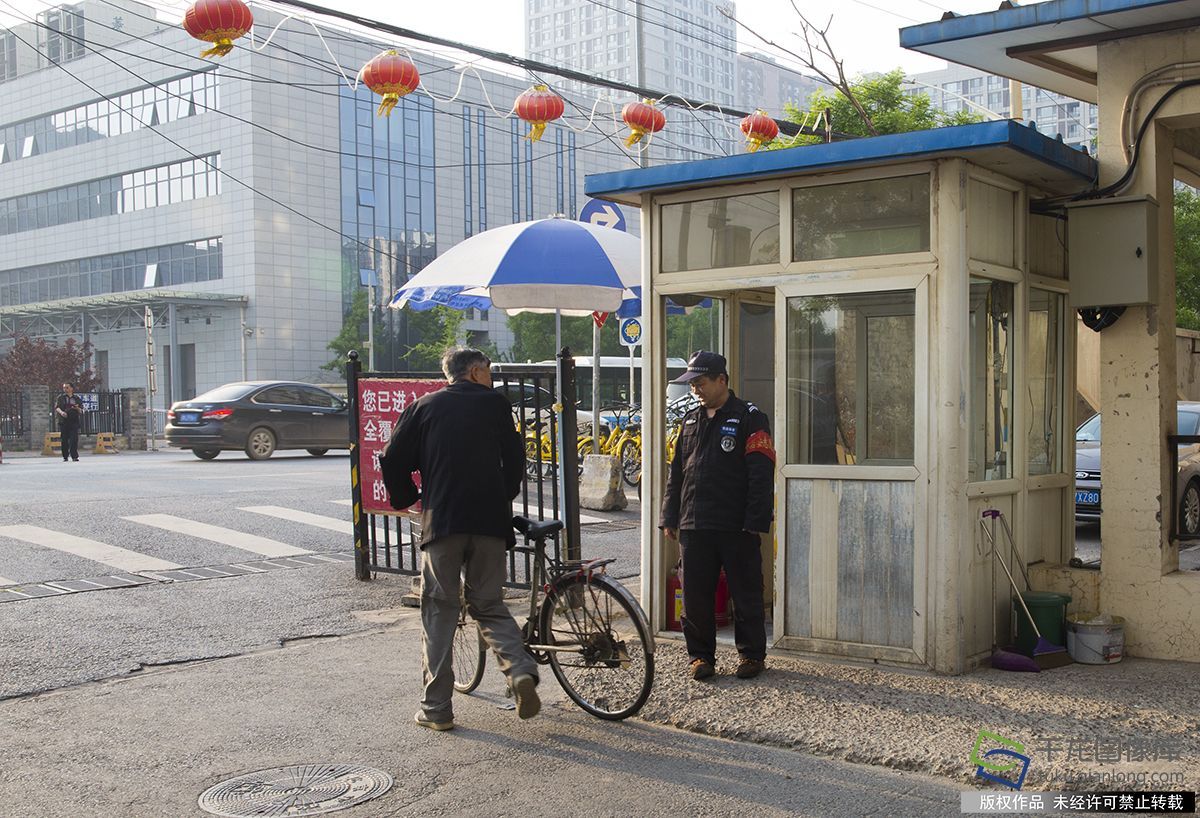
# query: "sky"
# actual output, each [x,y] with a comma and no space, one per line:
[864,33]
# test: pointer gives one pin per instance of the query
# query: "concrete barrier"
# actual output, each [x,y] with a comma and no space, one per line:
[106,443]
[51,443]
[601,488]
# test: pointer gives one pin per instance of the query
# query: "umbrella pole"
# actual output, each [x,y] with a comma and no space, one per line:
[557,331]
[595,387]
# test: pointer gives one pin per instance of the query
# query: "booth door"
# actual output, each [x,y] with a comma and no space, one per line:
[753,379]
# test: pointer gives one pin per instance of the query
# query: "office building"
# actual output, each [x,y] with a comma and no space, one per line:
[764,83]
[244,200]
[958,88]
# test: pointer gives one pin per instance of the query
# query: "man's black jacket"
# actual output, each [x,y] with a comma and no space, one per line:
[723,475]
[463,441]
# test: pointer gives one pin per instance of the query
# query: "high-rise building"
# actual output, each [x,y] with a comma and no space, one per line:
[764,83]
[244,200]
[682,47]
[958,88]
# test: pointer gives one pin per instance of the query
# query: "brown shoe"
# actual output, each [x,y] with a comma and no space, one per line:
[702,669]
[749,668]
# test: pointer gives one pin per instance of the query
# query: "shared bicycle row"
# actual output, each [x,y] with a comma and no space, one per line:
[620,437]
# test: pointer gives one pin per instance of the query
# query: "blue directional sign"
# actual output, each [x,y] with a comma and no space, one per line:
[631,332]
[602,214]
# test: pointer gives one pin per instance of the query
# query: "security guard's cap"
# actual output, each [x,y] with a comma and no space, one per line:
[703,363]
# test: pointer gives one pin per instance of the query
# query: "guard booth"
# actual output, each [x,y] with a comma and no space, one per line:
[902,316]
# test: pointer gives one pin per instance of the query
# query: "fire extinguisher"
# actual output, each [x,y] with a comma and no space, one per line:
[721,601]
[674,601]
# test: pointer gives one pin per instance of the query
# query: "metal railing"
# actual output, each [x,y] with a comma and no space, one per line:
[385,540]
[14,414]
[111,413]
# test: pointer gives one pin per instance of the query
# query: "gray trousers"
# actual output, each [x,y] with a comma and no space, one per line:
[479,562]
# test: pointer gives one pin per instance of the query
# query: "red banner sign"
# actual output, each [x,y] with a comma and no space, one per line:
[380,403]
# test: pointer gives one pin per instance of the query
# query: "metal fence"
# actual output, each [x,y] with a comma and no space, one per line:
[386,541]
[14,414]
[105,412]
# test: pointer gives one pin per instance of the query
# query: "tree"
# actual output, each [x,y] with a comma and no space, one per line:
[533,335]
[1187,258]
[38,363]
[888,107]
[438,330]
[353,335]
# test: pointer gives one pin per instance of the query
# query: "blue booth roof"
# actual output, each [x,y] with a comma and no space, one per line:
[1007,147]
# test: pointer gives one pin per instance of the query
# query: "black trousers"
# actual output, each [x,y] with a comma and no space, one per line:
[70,441]
[704,554]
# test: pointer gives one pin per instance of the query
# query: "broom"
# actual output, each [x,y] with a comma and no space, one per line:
[1046,654]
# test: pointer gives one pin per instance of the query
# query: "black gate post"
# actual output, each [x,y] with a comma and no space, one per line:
[568,453]
[362,567]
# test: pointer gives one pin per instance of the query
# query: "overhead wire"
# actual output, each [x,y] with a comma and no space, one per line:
[245,75]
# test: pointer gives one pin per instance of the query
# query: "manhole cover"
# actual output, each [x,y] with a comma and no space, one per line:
[305,789]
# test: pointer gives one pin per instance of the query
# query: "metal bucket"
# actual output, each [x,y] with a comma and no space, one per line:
[1098,644]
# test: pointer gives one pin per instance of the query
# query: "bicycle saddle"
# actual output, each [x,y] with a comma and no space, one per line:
[534,529]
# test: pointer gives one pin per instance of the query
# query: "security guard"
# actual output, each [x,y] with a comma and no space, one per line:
[720,496]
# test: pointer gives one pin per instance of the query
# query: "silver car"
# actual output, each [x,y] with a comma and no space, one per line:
[1087,470]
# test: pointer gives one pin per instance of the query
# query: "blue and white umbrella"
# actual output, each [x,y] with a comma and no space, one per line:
[548,265]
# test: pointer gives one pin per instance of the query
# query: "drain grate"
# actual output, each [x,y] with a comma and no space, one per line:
[303,789]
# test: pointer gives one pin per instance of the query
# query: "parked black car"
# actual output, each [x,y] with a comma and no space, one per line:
[1087,470]
[258,417]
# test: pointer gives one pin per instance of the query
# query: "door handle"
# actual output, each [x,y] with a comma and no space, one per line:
[317,414]
[280,411]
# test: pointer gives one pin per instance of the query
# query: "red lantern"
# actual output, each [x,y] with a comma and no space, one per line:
[642,118]
[539,106]
[392,76]
[759,129]
[219,22]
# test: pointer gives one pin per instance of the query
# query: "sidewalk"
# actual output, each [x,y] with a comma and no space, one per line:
[147,743]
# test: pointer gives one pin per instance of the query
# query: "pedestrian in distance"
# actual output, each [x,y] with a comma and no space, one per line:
[471,460]
[68,408]
[719,498]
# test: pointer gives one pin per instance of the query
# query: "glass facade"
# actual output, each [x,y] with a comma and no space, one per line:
[167,101]
[991,371]
[389,190]
[870,218]
[164,266]
[112,195]
[731,232]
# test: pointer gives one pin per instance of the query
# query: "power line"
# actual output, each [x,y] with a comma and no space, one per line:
[532,66]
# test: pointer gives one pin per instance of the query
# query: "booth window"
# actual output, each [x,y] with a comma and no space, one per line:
[851,379]
[871,218]
[991,346]
[1044,381]
[736,231]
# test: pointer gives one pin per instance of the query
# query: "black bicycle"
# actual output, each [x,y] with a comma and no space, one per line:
[584,624]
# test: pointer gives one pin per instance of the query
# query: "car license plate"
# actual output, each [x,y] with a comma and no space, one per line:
[189,417]
[1087,498]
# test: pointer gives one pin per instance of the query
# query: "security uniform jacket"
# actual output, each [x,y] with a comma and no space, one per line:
[72,405]
[463,441]
[723,475]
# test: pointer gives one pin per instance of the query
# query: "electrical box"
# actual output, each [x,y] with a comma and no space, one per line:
[1112,247]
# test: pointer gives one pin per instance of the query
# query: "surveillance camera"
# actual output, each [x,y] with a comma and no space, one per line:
[247,331]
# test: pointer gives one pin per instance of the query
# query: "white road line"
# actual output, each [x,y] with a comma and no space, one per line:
[225,536]
[6,581]
[120,558]
[338,524]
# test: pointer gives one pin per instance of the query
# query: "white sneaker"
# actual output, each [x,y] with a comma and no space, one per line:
[525,690]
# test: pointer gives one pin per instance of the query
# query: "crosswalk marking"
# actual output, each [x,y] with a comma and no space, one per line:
[6,581]
[218,534]
[120,558]
[338,524]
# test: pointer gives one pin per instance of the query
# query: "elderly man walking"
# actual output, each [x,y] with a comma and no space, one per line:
[463,442]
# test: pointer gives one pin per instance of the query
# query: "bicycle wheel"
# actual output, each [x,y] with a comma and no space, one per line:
[468,654]
[631,461]
[599,646]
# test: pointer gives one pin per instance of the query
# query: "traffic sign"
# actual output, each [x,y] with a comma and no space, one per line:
[631,332]
[602,214]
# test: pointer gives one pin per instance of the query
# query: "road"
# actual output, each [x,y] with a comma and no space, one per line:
[211,675]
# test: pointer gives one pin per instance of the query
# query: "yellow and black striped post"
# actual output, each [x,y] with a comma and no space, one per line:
[362,562]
